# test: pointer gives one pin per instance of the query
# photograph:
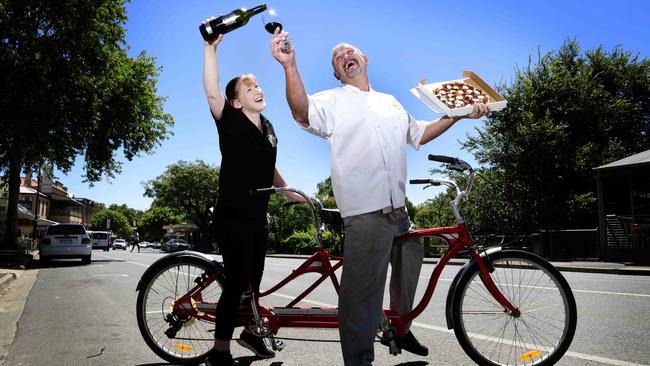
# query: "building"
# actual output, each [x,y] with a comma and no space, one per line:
[50,200]
[624,208]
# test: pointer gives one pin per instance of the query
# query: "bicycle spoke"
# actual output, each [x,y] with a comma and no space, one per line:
[191,338]
[492,336]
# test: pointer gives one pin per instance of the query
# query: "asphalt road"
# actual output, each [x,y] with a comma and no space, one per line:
[85,315]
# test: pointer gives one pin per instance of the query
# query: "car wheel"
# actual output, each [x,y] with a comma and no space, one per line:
[85,259]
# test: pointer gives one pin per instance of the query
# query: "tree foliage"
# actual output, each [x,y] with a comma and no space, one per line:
[285,220]
[190,189]
[71,89]
[119,224]
[566,115]
[153,220]
[325,193]
[131,214]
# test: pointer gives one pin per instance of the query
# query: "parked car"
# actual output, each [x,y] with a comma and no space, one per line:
[65,241]
[100,240]
[175,245]
[120,244]
[143,244]
[155,245]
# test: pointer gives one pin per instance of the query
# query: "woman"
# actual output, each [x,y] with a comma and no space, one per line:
[248,149]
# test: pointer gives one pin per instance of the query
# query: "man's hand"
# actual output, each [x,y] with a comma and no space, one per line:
[216,41]
[283,53]
[480,110]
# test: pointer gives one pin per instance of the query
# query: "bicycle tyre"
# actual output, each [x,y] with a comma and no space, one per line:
[172,277]
[543,331]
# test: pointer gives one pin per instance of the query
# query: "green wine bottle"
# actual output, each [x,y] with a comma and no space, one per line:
[226,23]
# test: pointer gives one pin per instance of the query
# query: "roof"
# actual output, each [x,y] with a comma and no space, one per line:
[641,158]
[27,190]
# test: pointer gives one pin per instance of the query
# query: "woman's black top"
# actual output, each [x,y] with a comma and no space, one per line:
[247,163]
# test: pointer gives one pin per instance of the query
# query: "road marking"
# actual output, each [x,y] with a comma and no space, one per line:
[112,275]
[611,293]
[449,280]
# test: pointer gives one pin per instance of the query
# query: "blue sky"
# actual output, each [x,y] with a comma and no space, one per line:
[405,41]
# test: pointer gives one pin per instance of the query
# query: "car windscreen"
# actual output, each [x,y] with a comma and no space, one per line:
[100,236]
[66,230]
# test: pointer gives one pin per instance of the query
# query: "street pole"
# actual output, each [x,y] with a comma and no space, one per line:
[38,193]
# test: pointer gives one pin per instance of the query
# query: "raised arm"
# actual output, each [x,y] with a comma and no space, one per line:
[211,80]
[295,89]
[439,126]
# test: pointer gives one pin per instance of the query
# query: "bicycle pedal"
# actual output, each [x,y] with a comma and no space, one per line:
[277,345]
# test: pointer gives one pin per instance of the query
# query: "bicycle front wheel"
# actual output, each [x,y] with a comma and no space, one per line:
[539,335]
[177,339]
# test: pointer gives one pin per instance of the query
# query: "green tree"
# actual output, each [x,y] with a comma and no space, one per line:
[118,224]
[566,115]
[153,220]
[131,214]
[191,189]
[325,193]
[71,89]
[286,220]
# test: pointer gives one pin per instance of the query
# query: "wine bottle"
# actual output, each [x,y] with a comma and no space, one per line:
[226,23]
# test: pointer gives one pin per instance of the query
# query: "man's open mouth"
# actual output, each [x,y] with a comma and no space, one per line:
[350,63]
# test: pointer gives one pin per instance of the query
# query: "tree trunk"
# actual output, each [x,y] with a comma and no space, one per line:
[206,238]
[15,166]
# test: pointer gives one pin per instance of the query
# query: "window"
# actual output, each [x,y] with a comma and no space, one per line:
[66,230]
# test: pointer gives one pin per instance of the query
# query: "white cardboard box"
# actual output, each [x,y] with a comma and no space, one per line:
[425,94]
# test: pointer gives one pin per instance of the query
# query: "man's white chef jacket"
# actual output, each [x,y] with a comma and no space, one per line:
[367,133]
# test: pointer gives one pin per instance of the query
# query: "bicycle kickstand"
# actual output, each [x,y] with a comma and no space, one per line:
[388,336]
[261,328]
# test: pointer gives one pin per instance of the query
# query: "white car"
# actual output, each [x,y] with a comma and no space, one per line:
[119,244]
[65,241]
[100,240]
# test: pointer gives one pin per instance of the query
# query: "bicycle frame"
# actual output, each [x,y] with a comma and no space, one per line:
[540,333]
[457,237]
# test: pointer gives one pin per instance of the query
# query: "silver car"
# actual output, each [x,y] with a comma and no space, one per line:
[65,241]
[175,245]
[120,244]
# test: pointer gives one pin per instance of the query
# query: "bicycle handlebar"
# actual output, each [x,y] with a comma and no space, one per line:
[424,181]
[452,164]
[443,159]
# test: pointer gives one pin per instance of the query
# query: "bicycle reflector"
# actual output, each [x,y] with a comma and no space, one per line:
[530,355]
[183,347]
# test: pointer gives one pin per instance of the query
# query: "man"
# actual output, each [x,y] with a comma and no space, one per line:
[136,242]
[367,132]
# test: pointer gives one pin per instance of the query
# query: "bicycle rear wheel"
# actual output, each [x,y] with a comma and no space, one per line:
[543,331]
[176,339]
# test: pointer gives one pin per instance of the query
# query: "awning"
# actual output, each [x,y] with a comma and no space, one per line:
[24,213]
[46,222]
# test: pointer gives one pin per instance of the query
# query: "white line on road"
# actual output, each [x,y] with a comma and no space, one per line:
[112,275]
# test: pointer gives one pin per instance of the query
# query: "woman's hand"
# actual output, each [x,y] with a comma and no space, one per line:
[215,41]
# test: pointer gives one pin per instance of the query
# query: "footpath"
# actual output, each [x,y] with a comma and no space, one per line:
[18,275]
